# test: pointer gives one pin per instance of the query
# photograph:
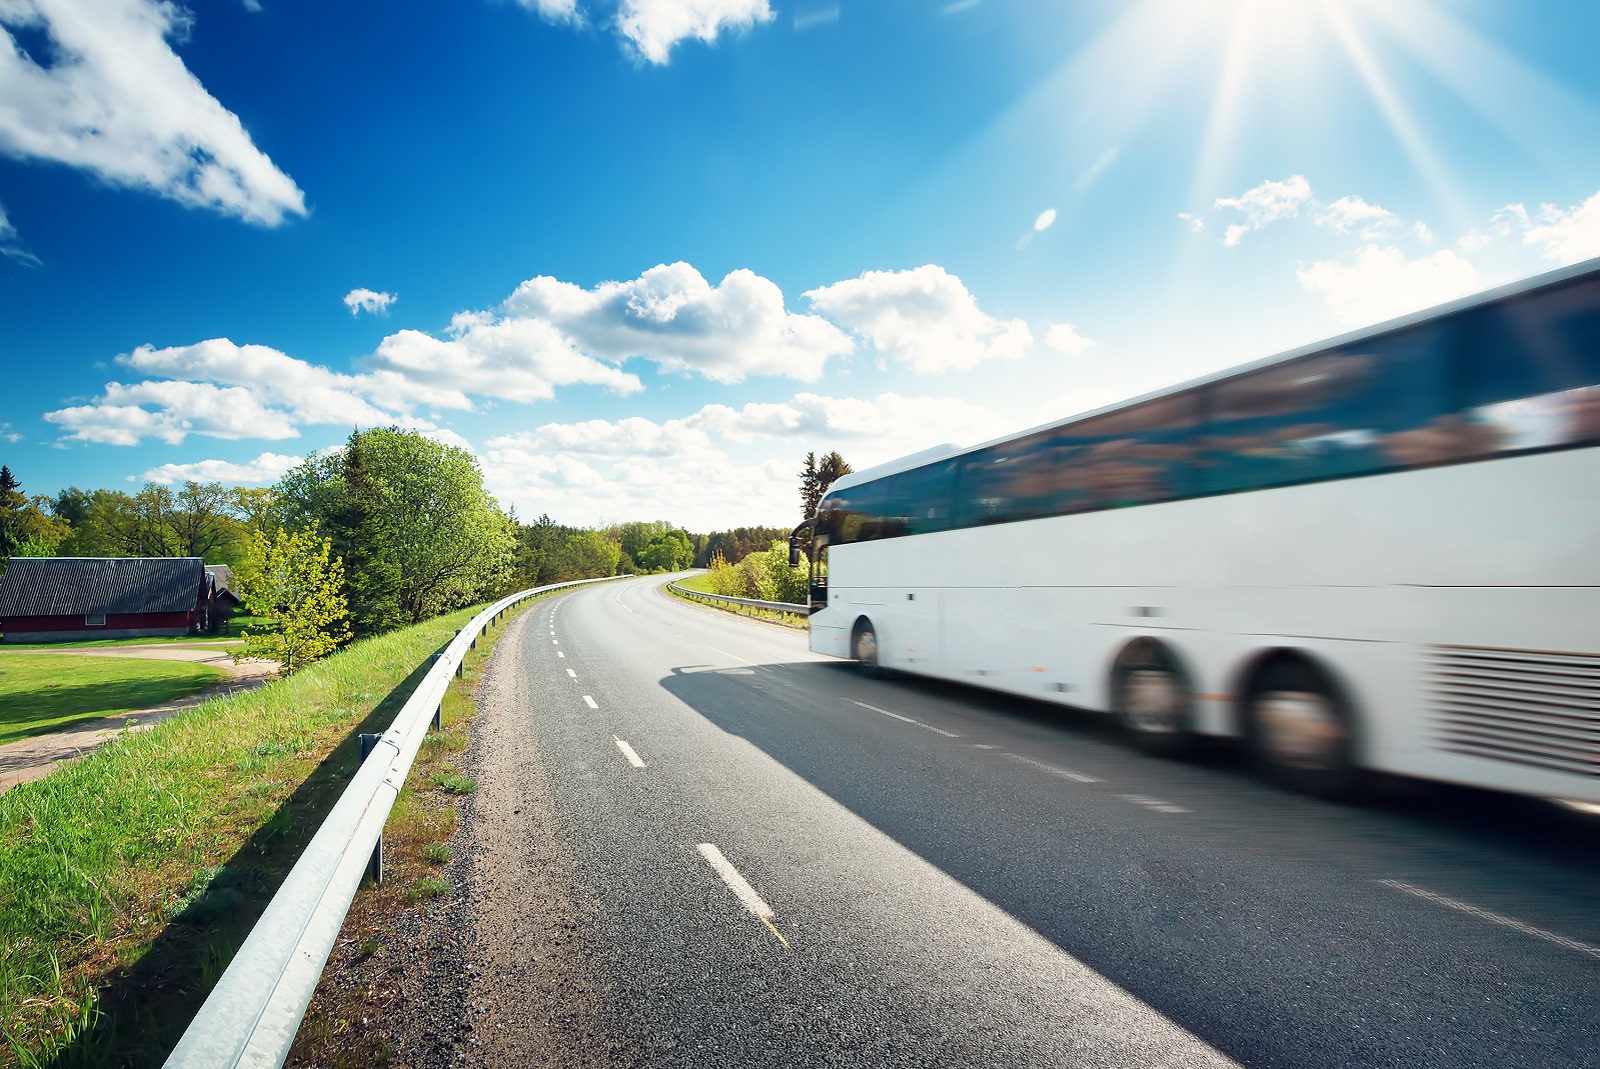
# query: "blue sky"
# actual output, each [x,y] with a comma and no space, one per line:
[639,256]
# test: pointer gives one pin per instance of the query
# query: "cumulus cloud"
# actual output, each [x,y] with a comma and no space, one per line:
[8,434]
[1564,235]
[1353,215]
[1196,224]
[1064,337]
[924,317]
[674,317]
[587,470]
[557,11]
[115,100]
[652,27]
[1382,283]
[1266,203]
[266,468]
[365,300]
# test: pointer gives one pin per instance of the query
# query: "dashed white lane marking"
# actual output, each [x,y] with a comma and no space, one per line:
[589,702]
[627,751]
[1153,803]
[560,654]
[553,642]
[1493,918]
[907,719]
[571,673]
[739,886]
[985,746]
[1054,770]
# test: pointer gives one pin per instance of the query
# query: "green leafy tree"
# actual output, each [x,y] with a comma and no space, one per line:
[28,527]
[669,552]
[364,542]
[586,555]
[816,477]
[445,537]
[295,586]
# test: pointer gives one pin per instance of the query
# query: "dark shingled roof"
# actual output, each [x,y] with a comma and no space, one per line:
[69,586]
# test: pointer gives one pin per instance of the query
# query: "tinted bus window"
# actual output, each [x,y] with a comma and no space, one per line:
[1137,456]
[1370,407]
[853,515]
[919,501]
[1531,378]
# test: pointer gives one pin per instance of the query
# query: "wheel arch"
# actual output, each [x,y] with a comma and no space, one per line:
[1250,671]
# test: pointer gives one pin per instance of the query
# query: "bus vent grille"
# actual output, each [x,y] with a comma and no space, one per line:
[1531,707]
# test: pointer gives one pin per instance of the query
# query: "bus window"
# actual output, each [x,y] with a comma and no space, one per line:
[919,501]
[1531,378]
[1372,407]
[1137,456]
[855,514]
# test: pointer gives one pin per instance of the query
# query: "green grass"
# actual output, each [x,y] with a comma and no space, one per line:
[40,693]
[700,581]
[131,877]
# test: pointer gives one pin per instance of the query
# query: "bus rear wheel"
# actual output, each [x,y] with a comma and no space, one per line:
[1152,700]
[1300,731]
[864,644]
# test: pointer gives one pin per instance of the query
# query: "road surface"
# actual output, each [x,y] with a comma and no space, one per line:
[783,863]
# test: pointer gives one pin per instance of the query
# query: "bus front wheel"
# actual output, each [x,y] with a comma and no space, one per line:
[864,644]
[1300,731]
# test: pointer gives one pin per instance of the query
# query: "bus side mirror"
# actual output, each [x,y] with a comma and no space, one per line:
[794,555]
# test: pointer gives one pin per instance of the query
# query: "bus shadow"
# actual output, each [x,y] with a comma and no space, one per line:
[1151,905]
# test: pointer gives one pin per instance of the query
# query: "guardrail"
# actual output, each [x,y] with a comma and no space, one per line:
[251,1017]
[771,606]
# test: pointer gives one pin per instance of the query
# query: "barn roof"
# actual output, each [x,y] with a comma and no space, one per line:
[67,586]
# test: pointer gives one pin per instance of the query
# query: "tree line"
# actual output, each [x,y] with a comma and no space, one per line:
[390,529]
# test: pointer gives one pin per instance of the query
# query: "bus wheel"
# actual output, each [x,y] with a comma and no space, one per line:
[1151,700]
[864,644]
[1300,731]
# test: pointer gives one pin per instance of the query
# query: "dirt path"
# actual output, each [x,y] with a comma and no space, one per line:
[30,759]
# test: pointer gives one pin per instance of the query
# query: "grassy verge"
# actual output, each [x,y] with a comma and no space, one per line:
[701,583]
[415,848]
[40,693]
[128,879]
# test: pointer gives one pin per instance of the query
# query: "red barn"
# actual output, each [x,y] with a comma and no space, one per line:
[57,599]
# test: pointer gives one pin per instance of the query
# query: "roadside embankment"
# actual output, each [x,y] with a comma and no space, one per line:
[133,875]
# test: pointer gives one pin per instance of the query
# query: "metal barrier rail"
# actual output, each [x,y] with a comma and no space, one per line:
[772,606]
[252,1015]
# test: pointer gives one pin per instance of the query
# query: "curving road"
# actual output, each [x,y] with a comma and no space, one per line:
[784,863]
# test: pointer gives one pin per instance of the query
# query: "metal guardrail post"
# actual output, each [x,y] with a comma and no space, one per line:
[741,604]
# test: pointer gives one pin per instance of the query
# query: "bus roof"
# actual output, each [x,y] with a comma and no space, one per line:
[1461,304]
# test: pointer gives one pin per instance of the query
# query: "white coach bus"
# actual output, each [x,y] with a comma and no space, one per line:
[1380,552]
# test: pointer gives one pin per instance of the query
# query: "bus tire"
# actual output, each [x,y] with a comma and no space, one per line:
[1152,700]
[1300,730]
[864,645]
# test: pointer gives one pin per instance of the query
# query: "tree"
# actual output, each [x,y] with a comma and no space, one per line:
[28,528]
[200,521]
[816,477]
[447,540]
[586,555]
[295,585]
[372,575]
[669,552]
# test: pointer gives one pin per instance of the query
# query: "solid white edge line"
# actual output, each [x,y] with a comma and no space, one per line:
[736,883]
[589,702]
[628,752]
[1492,917]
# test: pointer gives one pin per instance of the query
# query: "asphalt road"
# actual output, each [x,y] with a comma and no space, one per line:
[793,865]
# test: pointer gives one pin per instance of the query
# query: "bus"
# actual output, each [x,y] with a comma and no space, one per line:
[1377,553]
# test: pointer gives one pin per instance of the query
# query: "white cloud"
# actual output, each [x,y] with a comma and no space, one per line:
[365,300]
[8,434]
[1381,283]
[557,11]
[1353,215]
[1064,337]
[923,317]
[654,26]
[673,316]
[115,100]
[1422,232]
[10,246]
[685,468]
[1266,203]
[815,17]
[1196,224]
[1045,220]
[1565,236]
[266,468]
